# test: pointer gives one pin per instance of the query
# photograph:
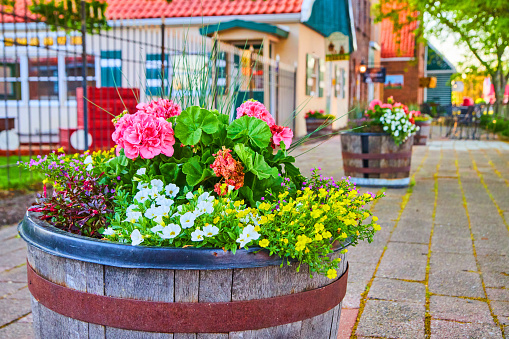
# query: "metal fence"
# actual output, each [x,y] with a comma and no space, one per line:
[59,86]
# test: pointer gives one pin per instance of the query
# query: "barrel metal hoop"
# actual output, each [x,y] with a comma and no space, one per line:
[377,156]
[376,170]
[185,317]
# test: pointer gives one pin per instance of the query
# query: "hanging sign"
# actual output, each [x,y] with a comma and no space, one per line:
[375,75]
[337,47]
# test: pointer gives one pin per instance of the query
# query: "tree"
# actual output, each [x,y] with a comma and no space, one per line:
[482,26]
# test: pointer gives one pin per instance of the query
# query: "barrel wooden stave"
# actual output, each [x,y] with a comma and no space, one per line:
[313,124]
[421,136]
[377,144]
[178,286]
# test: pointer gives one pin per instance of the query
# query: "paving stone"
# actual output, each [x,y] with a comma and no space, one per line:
[404,261]
[17,330]
[360,272]
[452,261]
[22,294]
[392,320]
[13,259]
[397,290]
[441,329]
[458,309]
[501,310]
[12,309]
[501,294]
[7,232]
[18,274]
[27,319]
[7,288]
[12,244]
[347,322]
[353,294]
[456,283]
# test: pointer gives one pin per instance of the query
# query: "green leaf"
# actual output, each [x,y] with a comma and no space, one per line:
[291,170]
[169,171]
[254,162]
[250,129]
[194,171]
[193,122]
[247,193]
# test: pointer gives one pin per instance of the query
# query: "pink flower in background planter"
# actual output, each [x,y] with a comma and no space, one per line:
[404,107]
[281,133]
[162,108]
[253,108]
[374,103]
[144,135]
[389,106]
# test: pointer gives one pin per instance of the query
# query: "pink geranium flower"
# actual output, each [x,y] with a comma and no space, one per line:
[162,108]
[389,106]
[256,109]
[374,103]
[281,133]
[144,135]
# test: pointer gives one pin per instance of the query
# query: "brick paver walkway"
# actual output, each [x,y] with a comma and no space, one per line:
[439,267]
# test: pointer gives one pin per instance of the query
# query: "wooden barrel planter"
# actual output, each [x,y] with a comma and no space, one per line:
[97,289]
[421,136]
[373,159]
[313,124]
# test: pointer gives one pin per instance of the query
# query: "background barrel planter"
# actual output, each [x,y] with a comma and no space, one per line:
[421,136]
[313,124]
[97,289]
[373,159]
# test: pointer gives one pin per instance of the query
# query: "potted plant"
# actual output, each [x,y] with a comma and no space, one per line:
[193,224]
[319,122]
[423,121]
[378,151]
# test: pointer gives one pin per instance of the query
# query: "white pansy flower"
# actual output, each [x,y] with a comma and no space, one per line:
[231,188]
[133,216]
[88,160]
[152,212]
[204,207]
[210,230]
[136,238]
[163,201]
[142,186]
[153,192]
[386,128]
[171,231]
[141,171]
[157,228]
[189,196]
[142,195]
[180,207]
[205,197]
[89,167]
[396,133]
[187,220]
[109,231]
[197,235]
[248,234]
[157,184]
[172,190]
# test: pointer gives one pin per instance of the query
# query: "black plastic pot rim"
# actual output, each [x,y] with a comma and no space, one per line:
[52,240]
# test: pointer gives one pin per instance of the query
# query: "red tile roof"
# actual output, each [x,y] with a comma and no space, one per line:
[144,9]
[397,46]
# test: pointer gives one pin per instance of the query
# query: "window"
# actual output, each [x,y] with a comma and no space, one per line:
[10,84]
[111,68]
[43,78]
[312,64]
[221,73]
[191,72]
[73,71]
[339,88]
[154,74]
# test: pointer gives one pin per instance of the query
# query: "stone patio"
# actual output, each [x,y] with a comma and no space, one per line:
[439,268]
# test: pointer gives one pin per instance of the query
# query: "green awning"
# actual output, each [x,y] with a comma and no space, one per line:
[329,16]
[254,26]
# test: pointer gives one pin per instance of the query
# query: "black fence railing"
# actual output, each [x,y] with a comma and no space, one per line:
[60,86]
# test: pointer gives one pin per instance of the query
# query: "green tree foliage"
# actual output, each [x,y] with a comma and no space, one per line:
[482,26]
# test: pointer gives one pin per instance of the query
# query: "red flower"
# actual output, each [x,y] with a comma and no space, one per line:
[229,169]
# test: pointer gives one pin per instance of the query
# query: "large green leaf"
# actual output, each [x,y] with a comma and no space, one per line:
[254,162]
[195,172]
[251,129]
[169,171]
[193,122]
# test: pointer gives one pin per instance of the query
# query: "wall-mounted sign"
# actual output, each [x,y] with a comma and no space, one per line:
[394,81]
[429,82]
[373,75]
[337,47]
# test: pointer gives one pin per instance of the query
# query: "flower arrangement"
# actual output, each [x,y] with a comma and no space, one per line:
[194,178]
[319,115]
[392,117]
[418,116]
